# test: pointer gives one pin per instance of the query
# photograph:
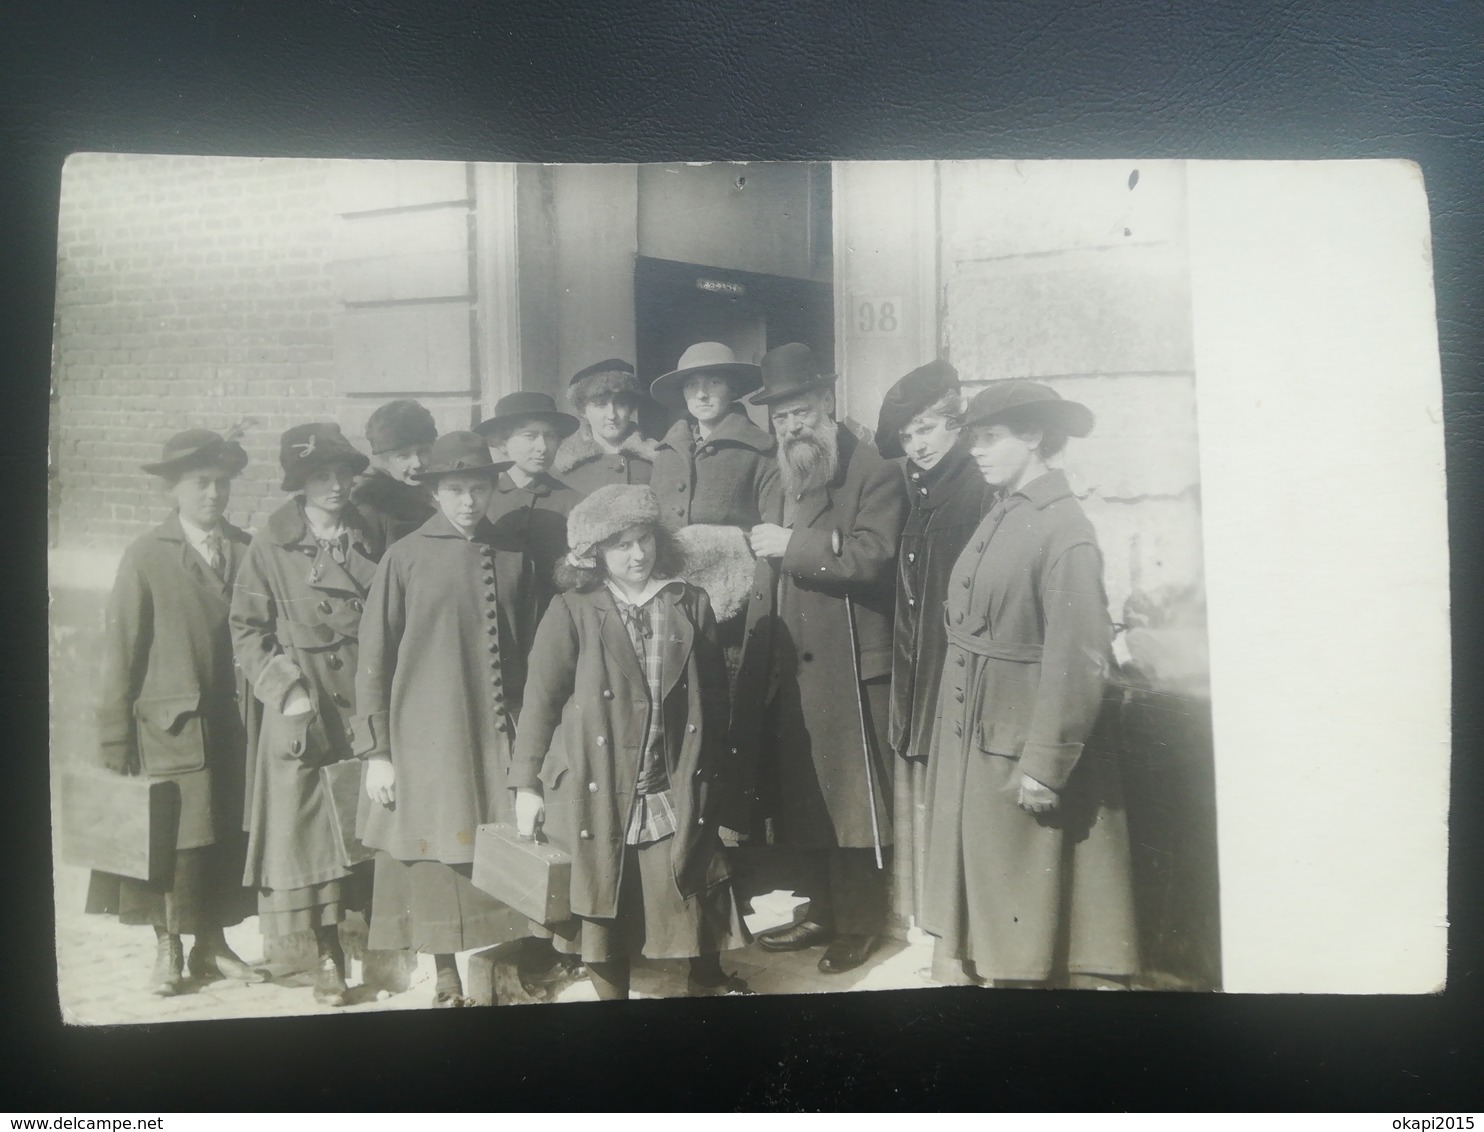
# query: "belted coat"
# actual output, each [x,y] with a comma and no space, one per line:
[391,509]
[799,699]
[438,631]
[171,699]
[586,677]
[297,612]
[1025,691]
[947,502]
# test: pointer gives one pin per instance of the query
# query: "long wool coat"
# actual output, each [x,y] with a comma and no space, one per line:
[439,625]
[391,509]
[729,478]
[1023,895]
[798,689]
[533,518]
[586,676]
[296,610]
[171,699]
[585,467]
[947,503]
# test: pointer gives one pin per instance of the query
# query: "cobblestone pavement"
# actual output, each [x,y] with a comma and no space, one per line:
[104,969]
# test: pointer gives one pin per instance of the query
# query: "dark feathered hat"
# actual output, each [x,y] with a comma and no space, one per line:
[400,424]
[197,448]
[1030,400]
[307,447]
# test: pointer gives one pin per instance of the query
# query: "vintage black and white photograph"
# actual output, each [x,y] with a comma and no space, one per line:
[487,584]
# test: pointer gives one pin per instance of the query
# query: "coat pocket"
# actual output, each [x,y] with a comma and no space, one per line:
[172,737]
[295,738]
[1007,704]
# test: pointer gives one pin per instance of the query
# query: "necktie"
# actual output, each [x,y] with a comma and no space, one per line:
[636,617]
[216,555]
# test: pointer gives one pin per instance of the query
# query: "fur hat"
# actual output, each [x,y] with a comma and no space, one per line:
[400,424]
[610,510]
[612,377]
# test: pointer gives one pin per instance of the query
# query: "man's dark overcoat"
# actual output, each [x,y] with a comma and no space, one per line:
[586,677]
[391,509]
[584,467]
[1027,896]
[438,632]
[295,610]
[799,693]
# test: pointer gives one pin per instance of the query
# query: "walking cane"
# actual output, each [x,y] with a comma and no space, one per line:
[860,706]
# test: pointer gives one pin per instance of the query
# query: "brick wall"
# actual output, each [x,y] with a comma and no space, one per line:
[190,292]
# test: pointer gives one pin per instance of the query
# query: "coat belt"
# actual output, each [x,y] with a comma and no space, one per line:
[1013,651]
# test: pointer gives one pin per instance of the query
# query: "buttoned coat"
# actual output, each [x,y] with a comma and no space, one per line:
[584,466]
[586,677]
[729,478]
[171,700]
[799,685]
[947,503]
[439,626]
[534,518]
[1024,689]
[295,610]
[391,509]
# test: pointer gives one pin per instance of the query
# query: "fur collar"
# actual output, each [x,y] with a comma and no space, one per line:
[580,448]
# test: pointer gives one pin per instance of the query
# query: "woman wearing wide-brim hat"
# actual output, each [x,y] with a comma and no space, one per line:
[296,615]
[715,479]
[171,706]
[1027,878]
[437,710]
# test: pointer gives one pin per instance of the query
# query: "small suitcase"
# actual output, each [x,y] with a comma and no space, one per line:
[342,783]
[533,877]
[122,824]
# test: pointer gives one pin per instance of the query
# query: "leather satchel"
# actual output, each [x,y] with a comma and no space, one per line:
[342,786]
[533,877]
[124,824]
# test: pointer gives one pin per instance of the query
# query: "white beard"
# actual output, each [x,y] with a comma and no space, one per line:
[810,461]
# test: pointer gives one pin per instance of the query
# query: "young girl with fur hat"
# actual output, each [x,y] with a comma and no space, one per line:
[627,662]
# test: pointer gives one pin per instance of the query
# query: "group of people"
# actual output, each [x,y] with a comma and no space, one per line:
[665,657]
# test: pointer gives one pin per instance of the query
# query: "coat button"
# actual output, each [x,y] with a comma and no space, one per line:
[958,728]
[586,835]
[680,487]
[325,606]
[959,696]
[607,694]
[495,663]
[958,618]
[965,582]
[960,660]
[691,727]
[912,556]
[296,747]
[490,596]
[922,491]
[978,546]
[592,787]
[492,613]
[912,601]
[602,742]
[494,646]
[700,821]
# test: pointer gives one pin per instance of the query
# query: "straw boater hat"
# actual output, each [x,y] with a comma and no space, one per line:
[197,448]
[705,357]
[1028,399]
[612,377]
[513,408]
[790,371]
[923,387]
[400,424]
[610,510]
[460,452]
[306,448]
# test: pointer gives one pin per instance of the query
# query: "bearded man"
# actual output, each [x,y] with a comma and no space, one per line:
[823,769]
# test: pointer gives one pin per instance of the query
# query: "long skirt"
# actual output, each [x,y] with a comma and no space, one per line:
[283,911]
[1026,896]
[653,919]
[432,907]
[203,894]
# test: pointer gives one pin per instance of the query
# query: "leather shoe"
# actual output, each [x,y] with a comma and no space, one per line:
[329,982]
[165,979]
[447,999]
[847,953]
[206,965]
[795,937]
[730,984]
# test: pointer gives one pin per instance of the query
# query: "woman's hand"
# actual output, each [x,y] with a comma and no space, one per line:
[381,780]
[1036,798]
[529,810]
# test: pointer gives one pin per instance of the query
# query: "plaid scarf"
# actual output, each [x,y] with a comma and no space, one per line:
[653,816]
